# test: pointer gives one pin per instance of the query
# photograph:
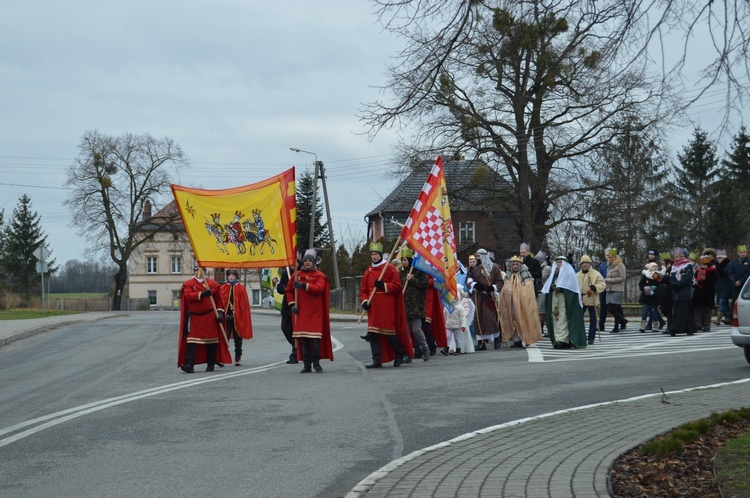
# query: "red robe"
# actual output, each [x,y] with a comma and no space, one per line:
[387,314]
[204,329]
[240,305]
[314,302]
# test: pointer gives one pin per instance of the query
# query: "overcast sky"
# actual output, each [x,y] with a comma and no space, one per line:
[235,83]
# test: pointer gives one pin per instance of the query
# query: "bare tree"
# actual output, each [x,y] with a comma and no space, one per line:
[532,88]
[111,182]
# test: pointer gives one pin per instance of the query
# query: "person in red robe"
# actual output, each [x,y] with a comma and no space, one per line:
[200,335]
[309,294]
[386,316]
[238,323]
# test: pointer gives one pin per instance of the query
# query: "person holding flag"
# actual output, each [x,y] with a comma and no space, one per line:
[414,284]
[383,300]
[201,313]
[238,323]
[308,294]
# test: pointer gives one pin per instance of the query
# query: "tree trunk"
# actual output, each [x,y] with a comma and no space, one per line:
[121,277]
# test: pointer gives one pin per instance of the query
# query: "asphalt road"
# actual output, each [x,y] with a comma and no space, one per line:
[101,409]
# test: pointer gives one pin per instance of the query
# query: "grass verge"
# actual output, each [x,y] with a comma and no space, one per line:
[27,313]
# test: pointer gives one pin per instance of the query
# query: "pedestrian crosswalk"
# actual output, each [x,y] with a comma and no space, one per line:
[632,343]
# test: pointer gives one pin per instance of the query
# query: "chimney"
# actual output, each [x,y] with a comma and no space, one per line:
[147,211]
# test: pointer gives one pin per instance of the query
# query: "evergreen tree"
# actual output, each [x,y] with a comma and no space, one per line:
[626,212]
[305,187]
[22,236]
[726,225]
[694,185]
[344,261]
[360,259]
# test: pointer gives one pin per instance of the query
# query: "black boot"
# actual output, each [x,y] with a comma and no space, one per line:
[458,350]
[210,357]
[187,367]
[316,356]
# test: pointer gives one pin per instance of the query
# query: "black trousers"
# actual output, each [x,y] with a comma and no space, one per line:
[287,329]
[232,332]
[375,346]
[310,351]
[190,354]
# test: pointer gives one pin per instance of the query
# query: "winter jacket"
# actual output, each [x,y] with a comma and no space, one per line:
[585,281]
[649,285]
[723,285]
[681,283]
[616,276]
[457,319]
[704,290]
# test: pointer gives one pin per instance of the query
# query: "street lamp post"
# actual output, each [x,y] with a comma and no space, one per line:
[319,173]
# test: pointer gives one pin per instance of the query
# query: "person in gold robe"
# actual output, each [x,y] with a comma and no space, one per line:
[518,310]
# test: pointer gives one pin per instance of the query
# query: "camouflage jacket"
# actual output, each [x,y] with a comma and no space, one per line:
[414,297]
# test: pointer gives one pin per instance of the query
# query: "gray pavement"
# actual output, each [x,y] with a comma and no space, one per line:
[560,454]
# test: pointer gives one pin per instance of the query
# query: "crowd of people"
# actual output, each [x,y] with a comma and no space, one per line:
[516,304]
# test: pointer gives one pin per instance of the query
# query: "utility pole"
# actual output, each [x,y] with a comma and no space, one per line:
[330,227]
[320,173]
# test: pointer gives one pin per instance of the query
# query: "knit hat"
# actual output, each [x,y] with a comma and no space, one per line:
[653,251]
[310,254]
[585,259]
[233,271]
[652,266]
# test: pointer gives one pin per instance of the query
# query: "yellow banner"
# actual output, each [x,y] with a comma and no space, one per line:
[253,226]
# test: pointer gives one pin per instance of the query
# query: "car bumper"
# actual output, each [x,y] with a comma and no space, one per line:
[740,339]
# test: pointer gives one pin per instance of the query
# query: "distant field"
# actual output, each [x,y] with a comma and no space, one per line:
[26,313]
[79,295]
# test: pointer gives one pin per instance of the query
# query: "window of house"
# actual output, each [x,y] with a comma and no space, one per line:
[152,297]
[176,264]
[176,299]
[466,232]
[151,264]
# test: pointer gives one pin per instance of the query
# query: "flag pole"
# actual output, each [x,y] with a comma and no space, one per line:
[216,314]
[372,294]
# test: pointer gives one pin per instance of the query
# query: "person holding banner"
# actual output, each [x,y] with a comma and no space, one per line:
[201,313]
[237,321]
[308,294]
[286,314]
[415,283]
[386,316]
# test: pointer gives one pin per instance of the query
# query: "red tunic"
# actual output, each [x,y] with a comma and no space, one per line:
[204,329]
[314,302]
[387,315]
[238,302]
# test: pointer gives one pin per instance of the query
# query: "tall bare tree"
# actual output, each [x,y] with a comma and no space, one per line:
[111,182]
[533,88]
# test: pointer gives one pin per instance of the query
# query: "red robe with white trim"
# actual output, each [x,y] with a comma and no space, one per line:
[387,314]
[314,302]
[202,325]
[234,297]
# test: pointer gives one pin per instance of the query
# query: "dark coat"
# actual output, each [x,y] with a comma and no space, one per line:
[723,285]
[682,289]
[652,299]
[704,293]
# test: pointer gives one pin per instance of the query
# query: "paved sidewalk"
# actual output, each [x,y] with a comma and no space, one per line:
[14,330]
[563,454]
